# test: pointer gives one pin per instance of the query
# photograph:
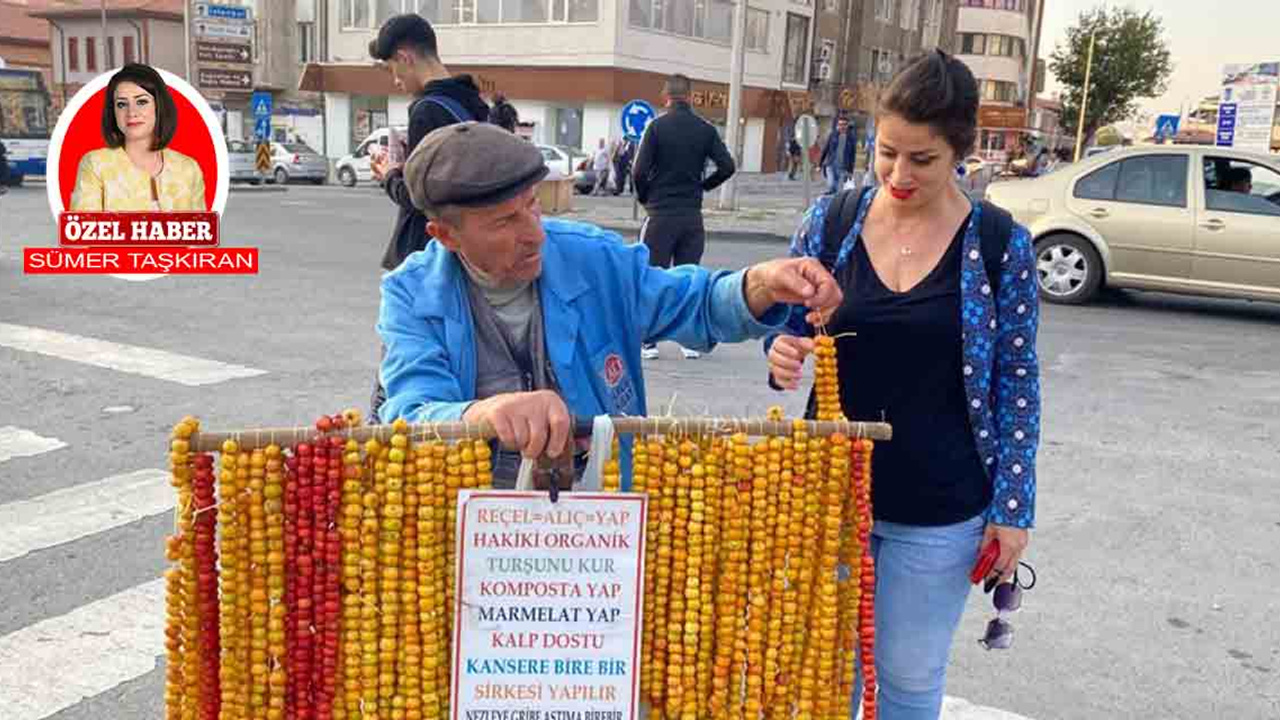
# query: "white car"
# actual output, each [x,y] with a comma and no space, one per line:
[567,162]
[353,168]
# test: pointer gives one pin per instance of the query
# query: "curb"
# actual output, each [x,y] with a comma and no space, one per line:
[631,232]
[263,188]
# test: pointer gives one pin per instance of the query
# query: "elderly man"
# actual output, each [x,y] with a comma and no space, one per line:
[523,322]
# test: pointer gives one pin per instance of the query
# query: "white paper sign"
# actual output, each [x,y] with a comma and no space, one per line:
[549,607]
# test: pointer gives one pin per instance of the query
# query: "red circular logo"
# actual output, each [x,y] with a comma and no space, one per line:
[613,369]
[85,134]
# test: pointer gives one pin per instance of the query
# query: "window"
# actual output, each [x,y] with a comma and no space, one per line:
[73,54]
[757,29]
[435,11]
[707,19]
[1099,184]
[1153,180]
[909,14]
[111,52]
[880,67]
[795,57]
[999,91]
[973,44]
[1241,187]
[90,55]
[306,42]
[884,10]
[129,53]
[932,24]
[355,14]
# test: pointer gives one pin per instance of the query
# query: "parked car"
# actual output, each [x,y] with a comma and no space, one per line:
[354,167]
[566,162]
[1162,217]
[297,161]
[242,157]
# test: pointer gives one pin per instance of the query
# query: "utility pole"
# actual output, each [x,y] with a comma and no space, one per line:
[186,34]
[733,128]
[1084,98]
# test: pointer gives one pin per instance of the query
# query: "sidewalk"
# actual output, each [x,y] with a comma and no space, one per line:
[769,210]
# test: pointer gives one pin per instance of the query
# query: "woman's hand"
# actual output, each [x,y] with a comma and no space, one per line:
[786,360]
[1013,541]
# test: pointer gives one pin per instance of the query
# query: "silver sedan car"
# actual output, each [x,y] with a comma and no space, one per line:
[1174,218]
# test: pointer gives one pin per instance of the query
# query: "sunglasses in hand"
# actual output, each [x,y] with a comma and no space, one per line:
[1007,600]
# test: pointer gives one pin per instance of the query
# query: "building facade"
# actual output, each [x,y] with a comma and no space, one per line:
[999,40]
[81,49]
[569,66]
[24,40]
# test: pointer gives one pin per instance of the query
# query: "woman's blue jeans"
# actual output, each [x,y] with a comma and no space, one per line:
[922,583]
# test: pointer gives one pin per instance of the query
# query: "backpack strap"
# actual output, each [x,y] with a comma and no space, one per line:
[841,214]
[994,232]
[454,107]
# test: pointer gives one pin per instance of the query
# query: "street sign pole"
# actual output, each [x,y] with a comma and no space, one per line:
[733,127]
[636,116]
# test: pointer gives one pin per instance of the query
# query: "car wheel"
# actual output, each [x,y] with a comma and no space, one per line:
[282,176]
[1068,269]
[318,181]
[347,177]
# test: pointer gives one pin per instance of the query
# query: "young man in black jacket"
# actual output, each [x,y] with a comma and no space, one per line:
[670,178]
[407,44]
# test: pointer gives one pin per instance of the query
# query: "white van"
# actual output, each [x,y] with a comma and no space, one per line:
[354,168]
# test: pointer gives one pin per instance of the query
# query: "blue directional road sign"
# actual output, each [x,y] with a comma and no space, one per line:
[225,12]
[1167,127]
[636,116]
[1226,125]
[261,105]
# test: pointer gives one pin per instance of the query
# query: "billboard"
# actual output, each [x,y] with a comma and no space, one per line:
[1247,106]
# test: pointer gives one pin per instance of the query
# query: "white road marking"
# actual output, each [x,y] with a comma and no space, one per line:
[16,442]
[74,512]
[58,662]
[150,362]
[138,277]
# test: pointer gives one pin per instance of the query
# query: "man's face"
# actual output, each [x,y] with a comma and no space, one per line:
[403,67]
[842,125]
[502,242]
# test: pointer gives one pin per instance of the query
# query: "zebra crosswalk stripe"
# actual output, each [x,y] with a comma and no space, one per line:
[55,663]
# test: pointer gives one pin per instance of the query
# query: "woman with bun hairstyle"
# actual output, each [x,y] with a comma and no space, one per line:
[137,170]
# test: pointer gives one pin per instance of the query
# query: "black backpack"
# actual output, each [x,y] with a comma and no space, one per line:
[995,230]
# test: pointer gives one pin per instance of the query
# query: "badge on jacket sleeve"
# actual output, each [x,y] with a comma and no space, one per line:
[621,390]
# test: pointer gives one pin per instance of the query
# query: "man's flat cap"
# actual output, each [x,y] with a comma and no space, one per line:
[472,165]
[397,29]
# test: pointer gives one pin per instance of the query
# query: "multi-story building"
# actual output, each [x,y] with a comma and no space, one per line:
[24,40]
[569,66]
[149,32]
[999,40]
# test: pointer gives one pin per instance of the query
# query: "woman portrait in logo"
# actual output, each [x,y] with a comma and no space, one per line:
[137,170]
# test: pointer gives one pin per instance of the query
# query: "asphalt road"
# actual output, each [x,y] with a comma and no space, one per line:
[1158,539]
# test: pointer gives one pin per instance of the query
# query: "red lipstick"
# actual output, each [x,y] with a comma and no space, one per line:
[900,194]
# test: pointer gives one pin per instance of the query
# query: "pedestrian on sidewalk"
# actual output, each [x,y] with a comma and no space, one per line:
[517,321]
[937,334]
[623,159]
[600,165]
[670,179]
[793,158]
[406,44]
[839,154]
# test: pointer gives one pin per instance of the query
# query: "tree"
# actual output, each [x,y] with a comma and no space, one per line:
[1130,61]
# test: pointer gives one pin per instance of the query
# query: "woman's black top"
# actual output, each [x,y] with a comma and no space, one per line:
[904,366]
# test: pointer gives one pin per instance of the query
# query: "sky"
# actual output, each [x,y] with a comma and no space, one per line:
[1203,35]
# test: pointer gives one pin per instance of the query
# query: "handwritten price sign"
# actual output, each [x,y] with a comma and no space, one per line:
[548,614]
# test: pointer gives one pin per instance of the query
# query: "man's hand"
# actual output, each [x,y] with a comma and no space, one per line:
[794,281]
[381,164]
[535,423]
